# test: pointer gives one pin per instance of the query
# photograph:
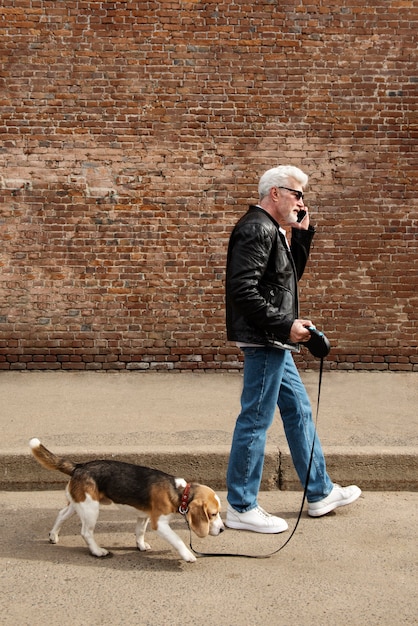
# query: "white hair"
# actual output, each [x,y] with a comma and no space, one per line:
[279,177]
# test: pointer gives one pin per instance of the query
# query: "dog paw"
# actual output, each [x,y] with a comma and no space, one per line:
[53,537]
[101,552]
[189,557]
[143,546]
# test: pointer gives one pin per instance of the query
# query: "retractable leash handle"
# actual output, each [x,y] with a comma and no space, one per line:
[318,345]
[320,349]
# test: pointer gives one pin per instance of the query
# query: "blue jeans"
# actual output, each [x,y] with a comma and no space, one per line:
[271,378]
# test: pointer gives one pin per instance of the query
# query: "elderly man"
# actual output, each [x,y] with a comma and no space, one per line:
[262,314]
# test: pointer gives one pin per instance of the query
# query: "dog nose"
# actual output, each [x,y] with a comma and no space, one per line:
[221,530]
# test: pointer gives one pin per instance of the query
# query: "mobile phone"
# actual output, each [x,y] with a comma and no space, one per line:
[301,215]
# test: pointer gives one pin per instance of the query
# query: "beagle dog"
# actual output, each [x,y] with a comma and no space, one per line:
[154,495]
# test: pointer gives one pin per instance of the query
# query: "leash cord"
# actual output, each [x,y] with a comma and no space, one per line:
[270,554]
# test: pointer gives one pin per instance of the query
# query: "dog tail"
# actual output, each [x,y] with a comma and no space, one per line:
[49,460]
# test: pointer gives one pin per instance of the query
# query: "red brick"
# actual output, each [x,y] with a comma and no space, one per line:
[125,166]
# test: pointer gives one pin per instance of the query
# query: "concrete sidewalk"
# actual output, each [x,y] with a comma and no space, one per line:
[183,422]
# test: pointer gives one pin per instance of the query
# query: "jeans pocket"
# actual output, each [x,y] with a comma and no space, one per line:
[250,352]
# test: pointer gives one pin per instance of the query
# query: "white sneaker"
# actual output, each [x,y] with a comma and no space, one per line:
[339,496]
[257,520]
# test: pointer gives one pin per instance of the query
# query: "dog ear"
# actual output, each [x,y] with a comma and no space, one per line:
[198,518]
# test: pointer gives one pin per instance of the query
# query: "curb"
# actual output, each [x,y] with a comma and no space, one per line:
[383,469]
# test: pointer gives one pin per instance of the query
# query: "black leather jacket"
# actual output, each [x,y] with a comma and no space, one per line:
[261,280]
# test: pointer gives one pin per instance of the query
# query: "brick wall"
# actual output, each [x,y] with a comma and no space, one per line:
[133,135]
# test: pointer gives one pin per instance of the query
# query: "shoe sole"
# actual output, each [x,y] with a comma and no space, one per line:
[274,530]
[333,505]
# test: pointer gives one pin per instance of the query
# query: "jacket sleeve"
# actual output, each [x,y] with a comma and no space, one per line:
[248,256]
[300,246]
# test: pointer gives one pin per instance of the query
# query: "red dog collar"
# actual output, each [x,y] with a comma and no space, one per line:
[183,508]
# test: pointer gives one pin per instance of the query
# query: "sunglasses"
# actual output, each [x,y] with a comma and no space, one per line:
[298,194]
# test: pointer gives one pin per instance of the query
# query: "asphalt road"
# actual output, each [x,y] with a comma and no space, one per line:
[357,566]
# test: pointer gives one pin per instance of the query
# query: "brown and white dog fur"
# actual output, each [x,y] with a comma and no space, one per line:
[154,495]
